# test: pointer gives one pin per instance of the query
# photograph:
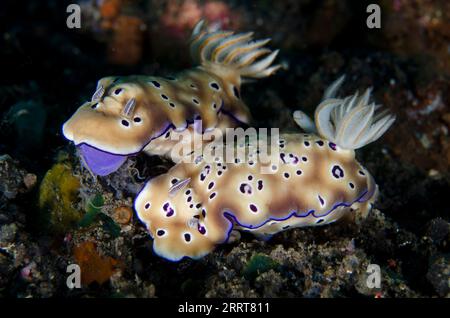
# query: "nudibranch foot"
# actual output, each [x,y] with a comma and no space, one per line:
[99,162]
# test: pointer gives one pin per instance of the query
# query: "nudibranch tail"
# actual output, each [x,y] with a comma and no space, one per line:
[219,50]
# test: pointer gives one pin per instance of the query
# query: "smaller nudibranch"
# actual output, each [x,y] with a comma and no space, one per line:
[131,114]
[195,206]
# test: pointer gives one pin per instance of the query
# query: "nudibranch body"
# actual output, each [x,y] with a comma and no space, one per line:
[142,113]
[195,206]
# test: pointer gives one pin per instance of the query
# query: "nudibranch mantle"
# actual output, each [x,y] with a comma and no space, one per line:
[316,183]
[195,206]
[138,113]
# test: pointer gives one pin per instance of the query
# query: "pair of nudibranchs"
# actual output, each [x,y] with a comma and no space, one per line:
[197,204]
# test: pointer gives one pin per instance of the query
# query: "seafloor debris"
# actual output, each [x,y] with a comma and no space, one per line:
[417,27]
[257,265]
[439,275]
[13,179]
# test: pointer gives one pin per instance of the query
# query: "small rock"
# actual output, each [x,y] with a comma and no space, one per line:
[438,230]
[8,233]
[123,214]
[30,180]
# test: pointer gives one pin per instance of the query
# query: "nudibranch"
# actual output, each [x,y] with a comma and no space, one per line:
[196,206]
[131,114]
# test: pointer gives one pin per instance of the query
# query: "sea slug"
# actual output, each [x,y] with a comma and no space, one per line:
[131,114]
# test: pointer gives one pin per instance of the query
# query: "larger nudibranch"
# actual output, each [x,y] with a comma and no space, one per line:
[129,114]
[195,206]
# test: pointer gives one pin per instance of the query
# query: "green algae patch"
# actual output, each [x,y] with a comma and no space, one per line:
[94,214]
[259,264]
[110,226]
[58,195]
